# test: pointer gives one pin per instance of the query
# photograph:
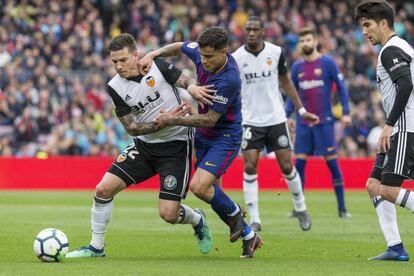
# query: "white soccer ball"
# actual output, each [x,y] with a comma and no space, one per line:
[51,245]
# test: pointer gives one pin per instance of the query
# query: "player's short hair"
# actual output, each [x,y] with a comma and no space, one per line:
[306,31]
[376,10]
[256,19]
[121,41]
[215,37]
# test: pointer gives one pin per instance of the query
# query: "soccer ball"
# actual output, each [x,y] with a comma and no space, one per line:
[51,245]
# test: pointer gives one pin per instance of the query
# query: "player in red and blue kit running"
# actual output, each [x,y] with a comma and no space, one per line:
[313,76]
[219,126]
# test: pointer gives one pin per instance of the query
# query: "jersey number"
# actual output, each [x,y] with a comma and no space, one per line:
[247,133]
[131,151]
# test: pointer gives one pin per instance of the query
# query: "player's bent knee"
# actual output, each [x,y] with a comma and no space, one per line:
[102,190]
[250,168]
[169,216]
[197,190]
[286,166]
[373,187]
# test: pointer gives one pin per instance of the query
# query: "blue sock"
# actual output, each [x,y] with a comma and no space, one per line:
[300,167]
[337,182]
[399,248]
[222,204]
[246,229]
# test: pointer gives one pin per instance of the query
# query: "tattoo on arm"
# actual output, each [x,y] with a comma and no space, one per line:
[170,50]
[134,128]
[208,119]
[184,81]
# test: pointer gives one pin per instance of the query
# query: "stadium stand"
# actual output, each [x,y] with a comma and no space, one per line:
[54,66]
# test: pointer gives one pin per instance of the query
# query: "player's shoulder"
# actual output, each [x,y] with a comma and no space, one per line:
[297,62]
[327,58]
[231,76]
[239,51]
[398,43]
[116,82]
[268,46]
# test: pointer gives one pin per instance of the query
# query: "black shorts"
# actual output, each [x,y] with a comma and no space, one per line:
[397,164]
[171,160]
[274,137]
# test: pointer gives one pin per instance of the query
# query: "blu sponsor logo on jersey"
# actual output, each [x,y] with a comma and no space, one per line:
[151,101]
[257,76]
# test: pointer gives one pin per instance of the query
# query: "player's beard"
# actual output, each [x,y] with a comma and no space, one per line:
[307,51]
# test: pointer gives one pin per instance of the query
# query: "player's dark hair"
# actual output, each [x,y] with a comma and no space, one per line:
[256,19]
[121,41]
[306,31]
[215,37]
[376,10]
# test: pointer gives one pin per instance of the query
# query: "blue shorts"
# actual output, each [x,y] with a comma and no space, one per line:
[216,155]
[316,140]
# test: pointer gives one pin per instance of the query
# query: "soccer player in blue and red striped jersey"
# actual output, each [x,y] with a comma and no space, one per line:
[313,76]
[219,126]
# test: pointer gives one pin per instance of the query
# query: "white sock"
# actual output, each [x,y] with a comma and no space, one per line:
[405,199]
[188,216]
[251,196]
[295,187]
[387,218]
[100,217]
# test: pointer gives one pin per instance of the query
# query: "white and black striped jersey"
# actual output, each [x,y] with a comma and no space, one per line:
[395,60]
[145,96]
[262,102]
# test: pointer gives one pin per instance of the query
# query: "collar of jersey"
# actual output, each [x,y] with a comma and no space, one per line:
[136,78]
[255,53]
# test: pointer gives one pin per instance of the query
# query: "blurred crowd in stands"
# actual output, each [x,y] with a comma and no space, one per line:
[54,66]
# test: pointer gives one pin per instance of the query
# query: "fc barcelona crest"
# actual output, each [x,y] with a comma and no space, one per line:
[150,81]
[317,71]
[269,61]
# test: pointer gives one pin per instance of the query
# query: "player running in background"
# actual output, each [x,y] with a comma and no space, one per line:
[395,160]
[262,67]
[219,130]
[313,76]
[165,151]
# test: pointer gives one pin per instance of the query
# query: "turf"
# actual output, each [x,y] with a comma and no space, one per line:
[140,243]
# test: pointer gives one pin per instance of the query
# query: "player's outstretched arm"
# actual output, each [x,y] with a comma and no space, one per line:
[169,50]
[134,128]
[293,95]
[208,119]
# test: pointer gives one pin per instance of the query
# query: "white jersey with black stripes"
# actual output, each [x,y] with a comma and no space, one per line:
[396,59]
[262,102]
[146,96]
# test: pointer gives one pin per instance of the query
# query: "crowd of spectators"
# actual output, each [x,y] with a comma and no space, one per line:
[54,66]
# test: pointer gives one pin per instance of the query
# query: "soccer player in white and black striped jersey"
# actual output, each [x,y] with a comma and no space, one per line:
[167,151]
[395,160]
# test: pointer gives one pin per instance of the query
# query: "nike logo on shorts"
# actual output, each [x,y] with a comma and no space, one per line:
[210,164]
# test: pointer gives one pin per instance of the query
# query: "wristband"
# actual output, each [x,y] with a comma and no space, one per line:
[302,111]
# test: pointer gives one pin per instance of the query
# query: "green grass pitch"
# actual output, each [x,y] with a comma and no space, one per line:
[139,243]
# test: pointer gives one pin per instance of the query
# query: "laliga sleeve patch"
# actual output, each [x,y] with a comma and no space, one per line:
[170,182]
[192,45]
